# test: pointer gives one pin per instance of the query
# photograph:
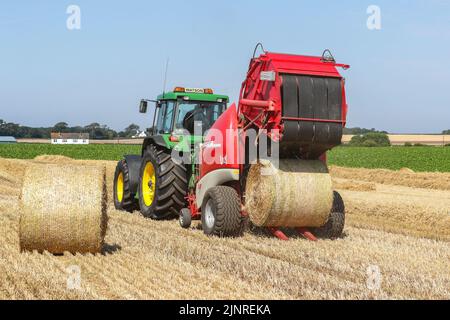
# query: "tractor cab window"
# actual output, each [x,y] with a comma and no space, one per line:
[165,117]
[192,113]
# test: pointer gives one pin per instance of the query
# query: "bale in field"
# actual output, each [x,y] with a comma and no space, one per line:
[297,194]
[63,208]
[427,180]
[12,170]
[53,159]
[354,185]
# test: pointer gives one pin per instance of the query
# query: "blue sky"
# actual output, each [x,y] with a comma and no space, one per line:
[399,78]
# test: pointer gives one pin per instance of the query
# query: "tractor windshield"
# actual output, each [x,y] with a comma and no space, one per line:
[192,113]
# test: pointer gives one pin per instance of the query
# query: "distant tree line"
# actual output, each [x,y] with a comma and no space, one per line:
[363,137]
[357,130]
[370,139]
[99,131]
[360,131]
[95,130]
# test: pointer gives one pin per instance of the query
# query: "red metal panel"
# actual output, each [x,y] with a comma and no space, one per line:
[297,64]
[221,144]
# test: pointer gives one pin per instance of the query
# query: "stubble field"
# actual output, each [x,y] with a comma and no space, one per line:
[396,245]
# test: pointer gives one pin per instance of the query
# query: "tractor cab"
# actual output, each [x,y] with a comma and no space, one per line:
[186,110]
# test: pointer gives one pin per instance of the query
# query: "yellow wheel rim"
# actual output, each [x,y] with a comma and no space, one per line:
[148,184]
[119,187]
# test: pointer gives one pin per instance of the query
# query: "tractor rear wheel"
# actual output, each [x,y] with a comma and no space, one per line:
[221,212]
[162,185]
[123,198]
[335,224]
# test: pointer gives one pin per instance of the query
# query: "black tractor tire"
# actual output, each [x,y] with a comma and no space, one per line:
[128,201]
[185,218]
[221,212]
[335,225]
[170,188]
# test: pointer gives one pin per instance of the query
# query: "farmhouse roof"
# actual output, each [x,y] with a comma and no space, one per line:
[69,135]
[7,139]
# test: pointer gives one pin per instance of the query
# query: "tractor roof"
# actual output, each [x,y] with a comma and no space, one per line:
[193,96]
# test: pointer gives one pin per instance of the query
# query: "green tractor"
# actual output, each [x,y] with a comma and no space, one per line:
[155,182]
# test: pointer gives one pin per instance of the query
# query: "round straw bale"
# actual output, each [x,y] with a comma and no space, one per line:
[297,194]
[63,208]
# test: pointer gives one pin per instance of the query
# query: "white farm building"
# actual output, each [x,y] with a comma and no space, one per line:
[7,139]
[69,138]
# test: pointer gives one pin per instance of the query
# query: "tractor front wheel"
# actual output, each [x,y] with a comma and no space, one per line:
[221,212]
[162,185]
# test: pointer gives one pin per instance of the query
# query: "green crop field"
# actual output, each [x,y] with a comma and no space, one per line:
[86,152]
[415,158]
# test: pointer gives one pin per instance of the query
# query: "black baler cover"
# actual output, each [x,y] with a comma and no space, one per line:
[314,98]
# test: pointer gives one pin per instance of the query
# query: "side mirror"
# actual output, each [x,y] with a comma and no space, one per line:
[143,106]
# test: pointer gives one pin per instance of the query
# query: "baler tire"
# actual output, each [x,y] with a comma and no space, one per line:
[185,218]
[128,202]
[226,208]
[334,227]
[171,185]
